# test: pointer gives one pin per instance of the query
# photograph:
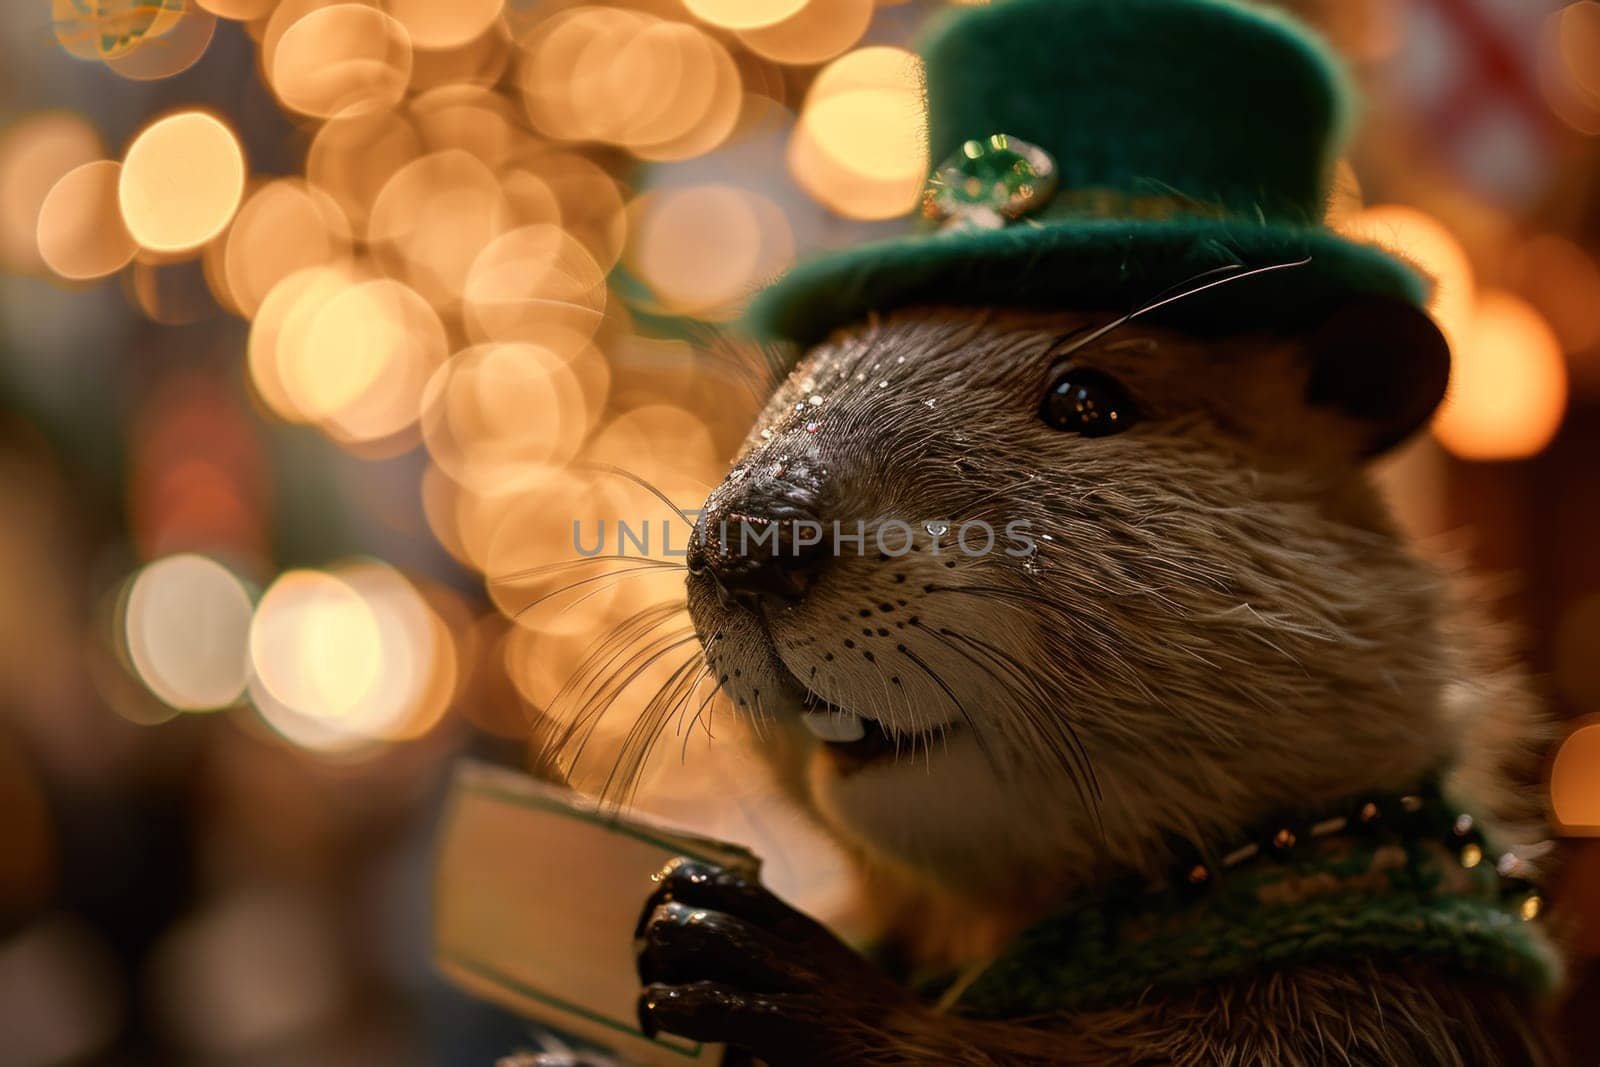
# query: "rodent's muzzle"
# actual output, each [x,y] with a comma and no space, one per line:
[761,535]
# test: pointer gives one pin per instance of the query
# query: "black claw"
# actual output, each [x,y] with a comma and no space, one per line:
[644,959]
[677,872]
[646,1008]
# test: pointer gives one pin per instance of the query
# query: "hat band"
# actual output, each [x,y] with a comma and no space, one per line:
[1087,203]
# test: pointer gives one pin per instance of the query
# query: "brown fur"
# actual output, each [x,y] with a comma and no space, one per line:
[1360,1016]
[1223,624]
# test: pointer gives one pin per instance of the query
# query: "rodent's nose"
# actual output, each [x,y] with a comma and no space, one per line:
[761,534]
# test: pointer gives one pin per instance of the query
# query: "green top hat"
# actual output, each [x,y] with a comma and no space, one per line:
[1100,154]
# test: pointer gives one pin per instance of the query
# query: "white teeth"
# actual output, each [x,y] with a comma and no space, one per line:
[835,724]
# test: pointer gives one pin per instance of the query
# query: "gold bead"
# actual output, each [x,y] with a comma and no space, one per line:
[1283,838]
[1531,905]
[1471,856]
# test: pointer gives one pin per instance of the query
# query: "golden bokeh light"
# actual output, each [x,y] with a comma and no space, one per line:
[449,25]
[859,146]
[704,250]
[1508,383]
[472,118]
[744,14]
[816,33]
[590,202]
[1575,780]
[495,412]
[80,230]
[360,366]
[664,90]
[286,225]
[34,154]
[1564,281]
[343,60]
[344,346]
[315,645]
[182,180]
[665,444]
[530,196]
[417,661]
[1580,46]
[1419,237]
[187,626]
[239,10]
[580,42]
[432,219]
[351,159]
[281,325]
[481,61]
[1569,65]
[540,663]
[421,661]
[535,284]
[441,509]
[689,98]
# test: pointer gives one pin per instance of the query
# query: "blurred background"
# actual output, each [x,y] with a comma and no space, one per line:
[320,323]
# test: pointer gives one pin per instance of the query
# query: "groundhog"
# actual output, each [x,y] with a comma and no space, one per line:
[1056,580]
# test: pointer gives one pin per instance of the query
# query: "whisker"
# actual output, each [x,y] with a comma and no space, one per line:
[1075,756]
[1162,300]
[700,676]
[570,586]
[689,733]
[647,486]
[614,687]
[567,564]
[633,756]
[961,708]
[600,657]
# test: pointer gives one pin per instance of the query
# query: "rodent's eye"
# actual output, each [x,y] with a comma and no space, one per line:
[1088,402]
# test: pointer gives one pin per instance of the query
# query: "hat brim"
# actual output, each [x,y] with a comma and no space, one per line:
[1115,265]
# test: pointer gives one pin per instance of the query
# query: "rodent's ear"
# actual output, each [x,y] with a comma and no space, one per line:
[1382,363]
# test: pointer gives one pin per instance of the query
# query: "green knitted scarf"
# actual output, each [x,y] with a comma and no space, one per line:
[1403,878]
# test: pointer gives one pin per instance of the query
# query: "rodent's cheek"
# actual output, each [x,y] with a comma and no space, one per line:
[895,642]
[740,656]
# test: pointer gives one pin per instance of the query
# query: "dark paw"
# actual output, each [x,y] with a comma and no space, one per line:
[722,959]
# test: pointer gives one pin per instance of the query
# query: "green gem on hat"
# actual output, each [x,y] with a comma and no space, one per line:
[990,182]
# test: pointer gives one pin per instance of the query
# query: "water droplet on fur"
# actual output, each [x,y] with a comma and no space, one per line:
[812,427]
[928,403]
[1033,566]
[937,529]
[884,384]
[900,359]
[816,400]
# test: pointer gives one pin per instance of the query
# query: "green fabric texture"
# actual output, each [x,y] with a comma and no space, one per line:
[1189,135]
[1406,899]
